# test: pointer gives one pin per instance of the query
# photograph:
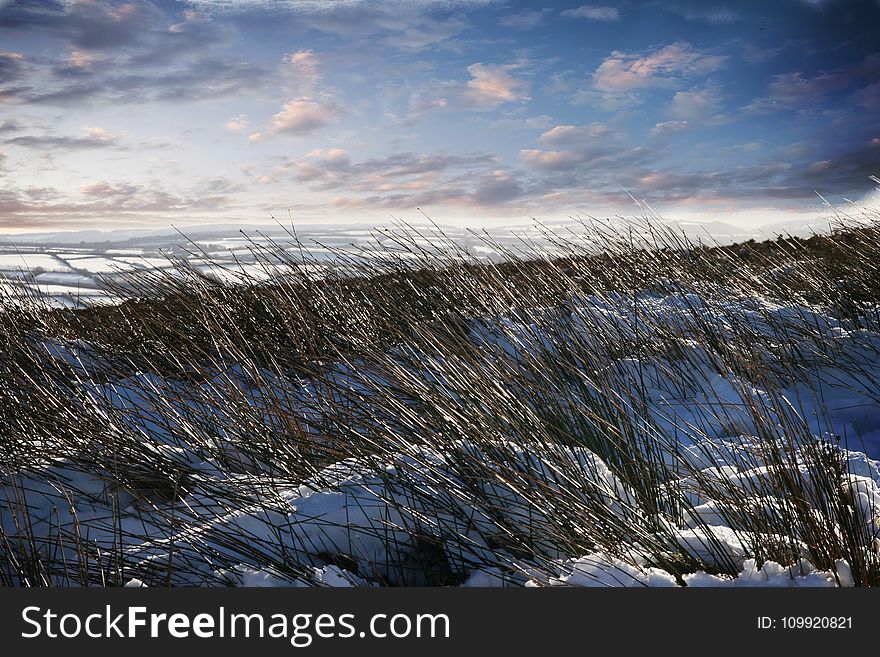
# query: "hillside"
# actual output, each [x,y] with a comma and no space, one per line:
[620,406]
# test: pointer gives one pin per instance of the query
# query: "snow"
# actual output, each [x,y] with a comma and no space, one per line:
[773,574]
[602,570]
[348,525]
[16,261]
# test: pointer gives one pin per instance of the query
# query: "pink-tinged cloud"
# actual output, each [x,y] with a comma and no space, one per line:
[100,135]
[239,122]
[79,59]
[623,72]
[123,12]
[550,159]
[491,86]
[303,66]
[301,116]
[103,189]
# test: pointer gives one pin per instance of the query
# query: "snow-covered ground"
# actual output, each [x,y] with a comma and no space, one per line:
[74,268]
[348,525]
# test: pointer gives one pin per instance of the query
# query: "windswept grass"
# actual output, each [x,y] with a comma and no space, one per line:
[416,414]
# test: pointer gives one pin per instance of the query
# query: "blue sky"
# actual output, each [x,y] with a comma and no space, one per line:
[475,111]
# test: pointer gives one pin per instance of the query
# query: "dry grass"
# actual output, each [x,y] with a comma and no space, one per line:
[475,395]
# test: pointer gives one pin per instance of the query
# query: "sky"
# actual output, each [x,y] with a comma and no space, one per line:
[177,112]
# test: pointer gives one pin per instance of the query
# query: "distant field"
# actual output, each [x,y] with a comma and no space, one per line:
[69,266]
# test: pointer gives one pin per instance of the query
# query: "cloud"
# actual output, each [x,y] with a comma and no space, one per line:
[497,187]
[420,106]
[622,71]
[239,122]
[667,128]
[125,53]
[593,13]
[868,97]
[10,65]
[79,60]
[621,77]
[489,191]
[522,20]
[696,105]
[574,145]
[323,168]
[755,55]
[491,86]
[550,159]
[577,136]
[333,168]
[405,179]
[311,111]
[97,26]
[847,170]
[784,174]
[773,178]
[92,137]
[538,122]
[103,189]
[301,116]
[302,65]
[11,125]
[102,200]
[705,12]
[591,147]
[795,90]
[410,25]
[327,6]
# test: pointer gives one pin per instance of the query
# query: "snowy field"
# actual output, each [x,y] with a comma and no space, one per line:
[77,268]
[698,433]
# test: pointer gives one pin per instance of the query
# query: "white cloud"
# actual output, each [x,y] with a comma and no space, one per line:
[575,135]
[593,13]
[523,20]
[666,128]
